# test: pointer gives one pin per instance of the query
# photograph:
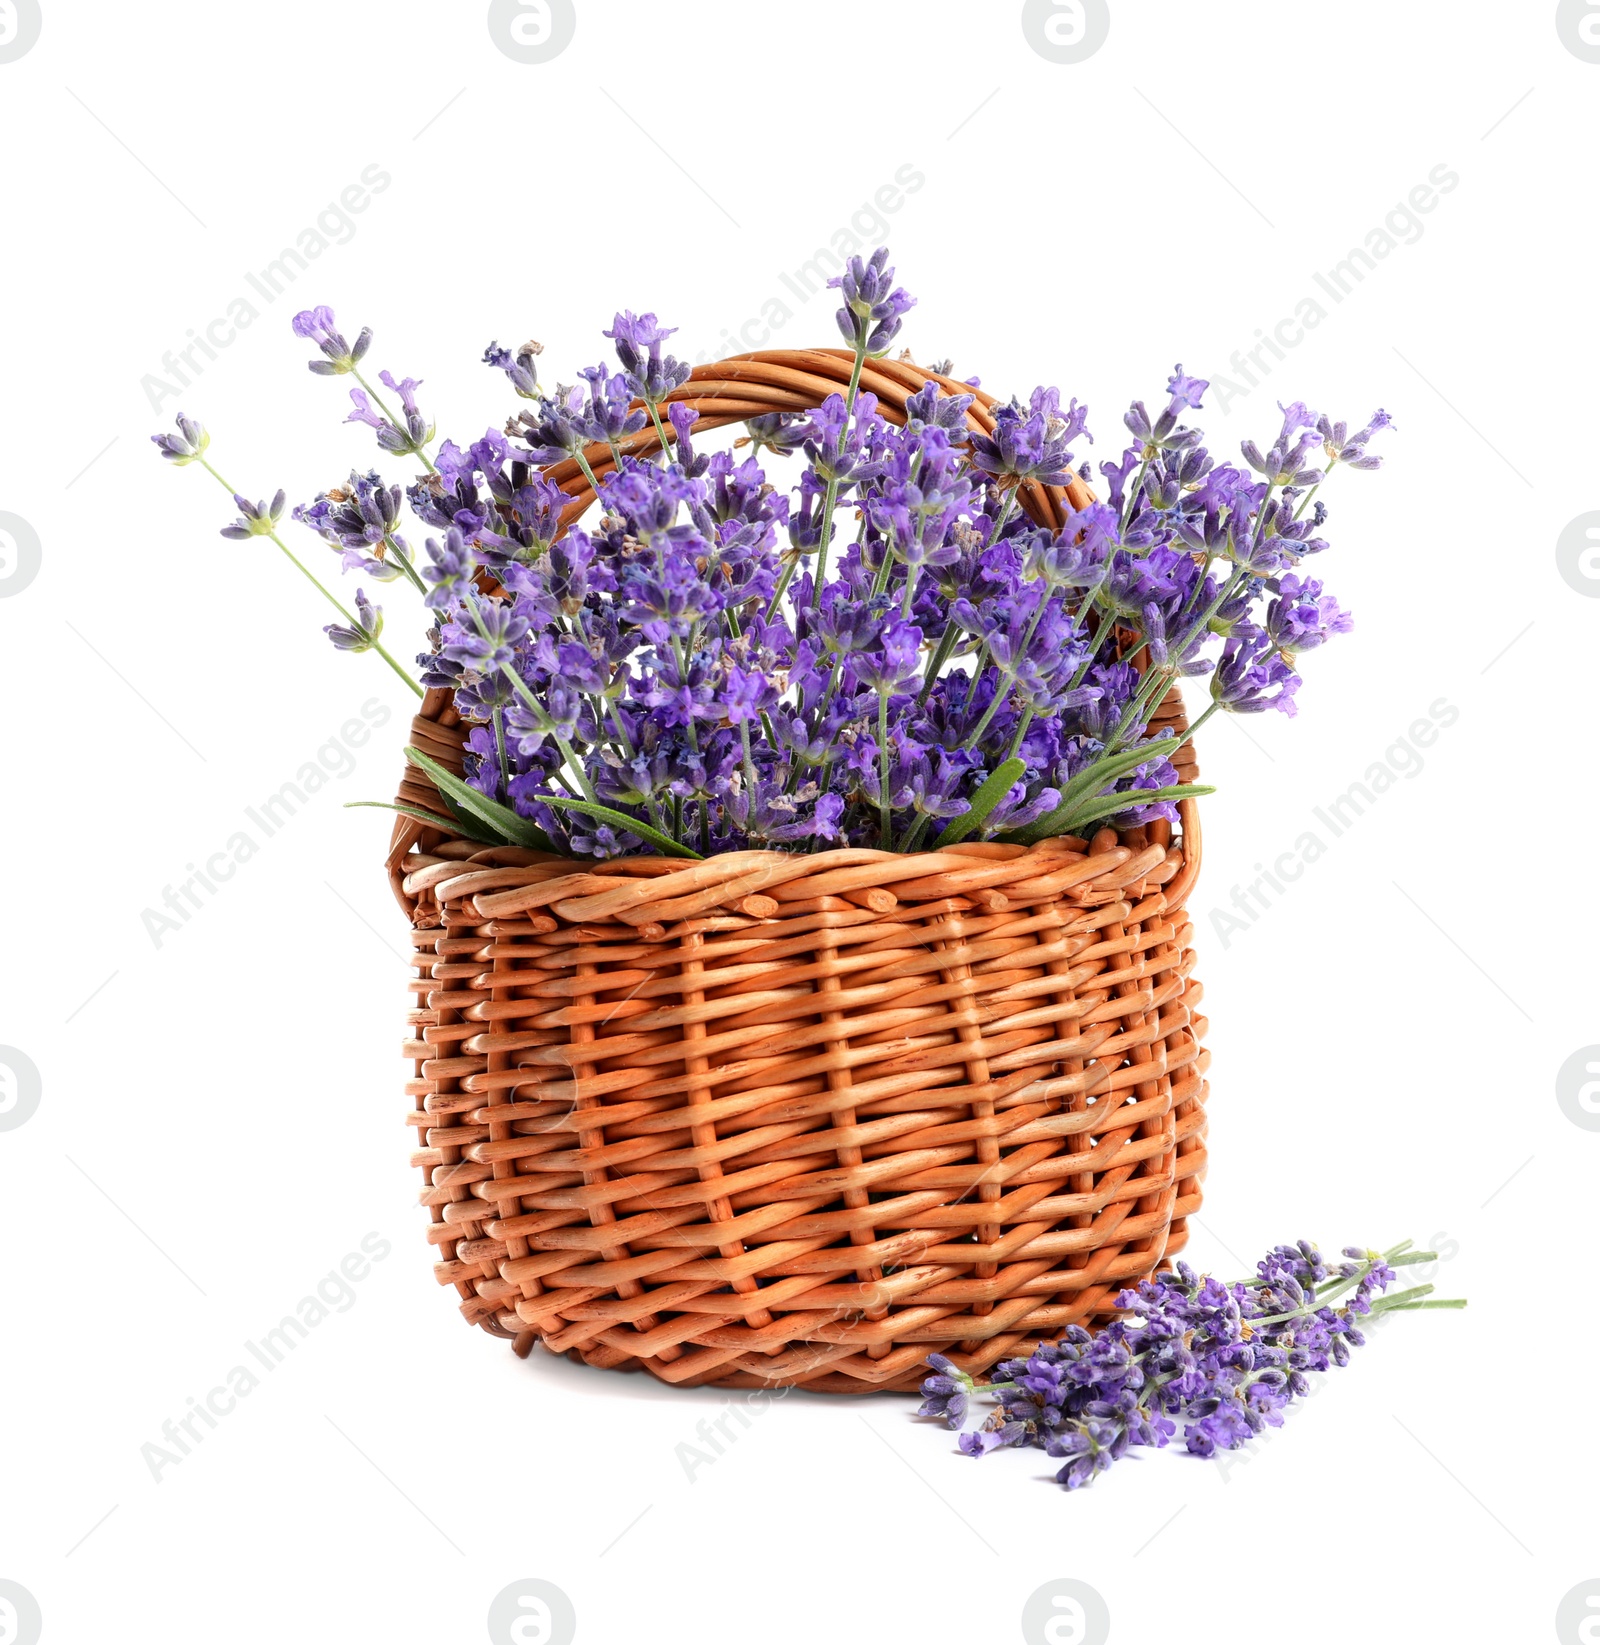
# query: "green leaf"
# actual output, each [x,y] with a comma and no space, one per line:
[996,786]
[508,827]
[469,825]
[619,819]
[1088,782]
[1108,805]
[1112,765]
[1105,770]
[450,825]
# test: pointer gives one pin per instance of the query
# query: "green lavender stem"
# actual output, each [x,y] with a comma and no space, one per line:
[546,724]
[407,567]
[661,433]
[311,577]
[498,718]
[1022,730]
[941,655]
[885,832]
[831,498]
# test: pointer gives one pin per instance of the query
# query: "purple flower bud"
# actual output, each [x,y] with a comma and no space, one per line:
[608,414]
[317,325]
[450,570]
[649,375]
[186,446]
[520,368]
[257,519]
[874,307]
[361,635]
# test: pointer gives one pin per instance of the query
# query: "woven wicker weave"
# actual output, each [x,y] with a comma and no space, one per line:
[778,1119]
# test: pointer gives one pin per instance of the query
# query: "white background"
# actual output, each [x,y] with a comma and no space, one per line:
[220,1114]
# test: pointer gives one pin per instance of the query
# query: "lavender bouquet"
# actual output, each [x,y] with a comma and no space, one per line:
[887,652]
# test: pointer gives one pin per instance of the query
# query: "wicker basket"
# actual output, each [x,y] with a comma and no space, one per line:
[774,1119]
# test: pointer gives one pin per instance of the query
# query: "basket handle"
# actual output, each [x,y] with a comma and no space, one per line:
[1176,891]
[752,385]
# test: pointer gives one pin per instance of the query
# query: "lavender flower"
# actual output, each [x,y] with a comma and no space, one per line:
[557,430]
[780,432]
[360,519]
[1302,617]
[450,570]
[1165,433]
[1185,391]
[258,519]
[486,641]
[1252,675]
[946,1393]
[405,438]
[874,307]
[651,375]
[891,662]
[1286,462]
[521,368]
[930,407]
[609,415]
[188,445]
[317,324]
[362,634]
[1351,449]
[1031,443]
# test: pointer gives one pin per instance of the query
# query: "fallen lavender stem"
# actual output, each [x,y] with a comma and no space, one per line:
[1223,1360]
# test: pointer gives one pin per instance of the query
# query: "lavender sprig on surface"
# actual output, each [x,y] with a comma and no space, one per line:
[1222,1361]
